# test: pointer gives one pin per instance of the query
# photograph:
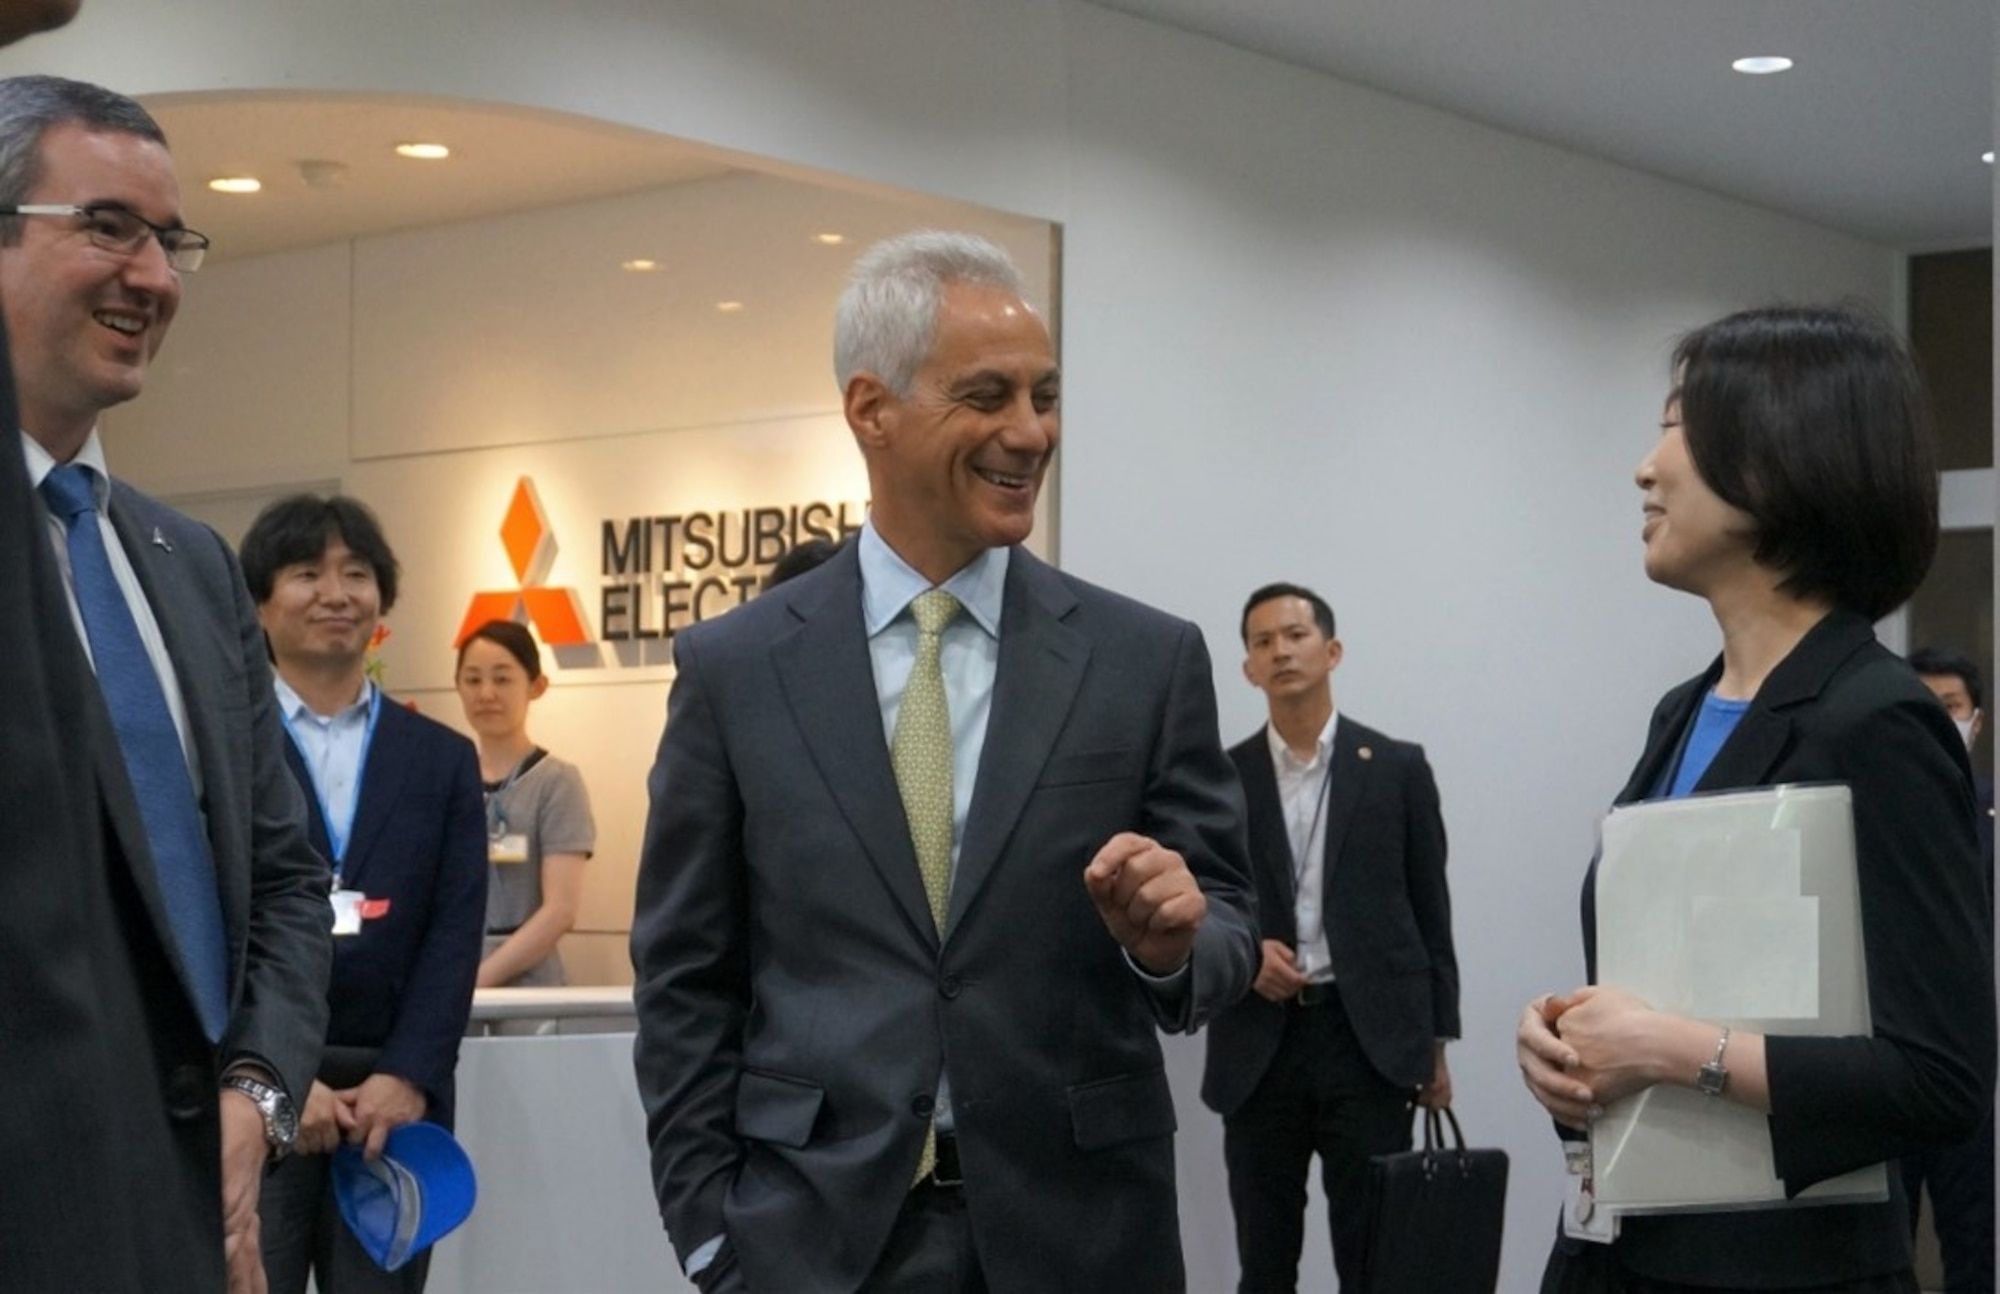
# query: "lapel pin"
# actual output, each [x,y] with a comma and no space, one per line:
[1366,752]
[160,540]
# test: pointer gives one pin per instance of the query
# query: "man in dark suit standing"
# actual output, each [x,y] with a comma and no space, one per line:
[1358,988]
[1960,1177]
[204,923]
[939,835]
[395,804]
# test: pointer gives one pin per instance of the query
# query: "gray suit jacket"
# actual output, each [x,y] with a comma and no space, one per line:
[274,886]
[796,1006]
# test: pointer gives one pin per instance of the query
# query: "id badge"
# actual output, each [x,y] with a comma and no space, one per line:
[347,911]
[510,848]
[1583,1219]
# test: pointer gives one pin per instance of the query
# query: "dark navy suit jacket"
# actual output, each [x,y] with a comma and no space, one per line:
[404,984]
[1388,912]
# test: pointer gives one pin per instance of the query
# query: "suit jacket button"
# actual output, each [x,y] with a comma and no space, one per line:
[190,1092]
[950,985]
[922,1106]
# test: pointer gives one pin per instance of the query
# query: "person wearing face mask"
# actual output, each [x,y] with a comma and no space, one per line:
[1960,1178]
[538,826]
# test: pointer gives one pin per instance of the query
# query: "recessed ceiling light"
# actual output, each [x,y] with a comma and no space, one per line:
[236,184]
[729,307]
[830,240]
[639,265]
[1987,157]
[1763,64]
[423,152]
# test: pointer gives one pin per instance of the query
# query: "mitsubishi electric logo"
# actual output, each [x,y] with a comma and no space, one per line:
[556,613]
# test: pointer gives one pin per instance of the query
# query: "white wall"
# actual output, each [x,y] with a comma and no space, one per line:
[1309,332]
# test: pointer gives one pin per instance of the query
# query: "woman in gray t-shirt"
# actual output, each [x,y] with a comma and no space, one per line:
[538,825]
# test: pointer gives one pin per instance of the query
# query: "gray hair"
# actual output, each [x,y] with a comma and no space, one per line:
[887,317]
[31,106]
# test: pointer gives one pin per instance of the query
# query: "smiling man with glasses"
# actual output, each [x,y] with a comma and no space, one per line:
[223,917]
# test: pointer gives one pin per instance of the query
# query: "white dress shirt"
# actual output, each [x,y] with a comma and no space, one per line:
[1304,786]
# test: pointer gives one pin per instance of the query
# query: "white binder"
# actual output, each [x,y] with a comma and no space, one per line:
[1742,908]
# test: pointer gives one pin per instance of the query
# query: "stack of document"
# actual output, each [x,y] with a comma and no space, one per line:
[1741,908]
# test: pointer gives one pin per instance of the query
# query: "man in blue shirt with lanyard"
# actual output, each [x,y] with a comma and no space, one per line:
[395,807]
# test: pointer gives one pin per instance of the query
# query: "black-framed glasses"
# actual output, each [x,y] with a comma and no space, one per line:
[118,229]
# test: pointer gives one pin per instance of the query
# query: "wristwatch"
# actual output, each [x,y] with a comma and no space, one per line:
[281,1121]
[1713,1077]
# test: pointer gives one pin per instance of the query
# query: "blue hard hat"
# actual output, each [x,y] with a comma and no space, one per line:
[414,1195]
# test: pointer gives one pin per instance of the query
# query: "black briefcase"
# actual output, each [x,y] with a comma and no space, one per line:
[1434,1217]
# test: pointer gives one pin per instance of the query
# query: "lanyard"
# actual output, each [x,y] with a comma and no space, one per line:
[1302,850]
[496,815]
[337,838]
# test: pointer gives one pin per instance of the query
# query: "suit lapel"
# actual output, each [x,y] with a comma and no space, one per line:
[315,820]
[383,777]
[828,680]
[168,591]
[1270,847]
[1041,666]
[1352,766]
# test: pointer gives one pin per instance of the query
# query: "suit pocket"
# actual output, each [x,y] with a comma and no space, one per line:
[1131,1107]
[775,1109]
[1087,766]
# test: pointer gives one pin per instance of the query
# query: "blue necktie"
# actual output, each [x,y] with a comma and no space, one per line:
[152,749]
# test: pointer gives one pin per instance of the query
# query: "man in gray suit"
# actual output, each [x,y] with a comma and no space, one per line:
[207,916]
[898,982]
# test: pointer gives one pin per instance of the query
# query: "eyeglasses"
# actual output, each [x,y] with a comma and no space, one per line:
[116,229]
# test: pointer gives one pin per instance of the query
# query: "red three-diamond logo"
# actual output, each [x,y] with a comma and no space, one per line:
[556,613]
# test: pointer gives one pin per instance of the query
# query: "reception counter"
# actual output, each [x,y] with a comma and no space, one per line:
[557,1136]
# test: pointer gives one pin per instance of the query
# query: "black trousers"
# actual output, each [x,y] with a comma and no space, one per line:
[1320,1096]
[1960,1179]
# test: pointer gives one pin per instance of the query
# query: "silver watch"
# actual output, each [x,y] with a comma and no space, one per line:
[1713,1078]
[281,1121]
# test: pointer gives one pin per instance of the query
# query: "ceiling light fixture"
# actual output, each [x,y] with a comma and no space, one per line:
[1987,157]
[236,184]
[1763,64]
[639,265]
[830,240]
[423,152]
[729,307]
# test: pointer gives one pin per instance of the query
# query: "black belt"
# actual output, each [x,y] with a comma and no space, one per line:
[945,1174]
[497,933]
[1319,994]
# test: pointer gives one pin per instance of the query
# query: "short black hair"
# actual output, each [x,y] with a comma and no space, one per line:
[797,560]
[1938,662]
[1815,421]
[298,528]
[509,636]
[1322,613]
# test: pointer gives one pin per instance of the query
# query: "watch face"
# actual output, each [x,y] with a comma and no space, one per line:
[1712,1079]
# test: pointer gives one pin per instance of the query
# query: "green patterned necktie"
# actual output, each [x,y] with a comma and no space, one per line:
[921,754]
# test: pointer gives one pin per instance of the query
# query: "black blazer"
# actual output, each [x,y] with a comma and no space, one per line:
[796,1005]
[1842,708]
[404,984]
[1388,912]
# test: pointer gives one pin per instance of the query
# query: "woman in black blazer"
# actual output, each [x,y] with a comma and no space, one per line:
[1794,488]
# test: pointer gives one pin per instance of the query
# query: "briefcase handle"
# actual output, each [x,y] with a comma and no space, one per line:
[1435,1146]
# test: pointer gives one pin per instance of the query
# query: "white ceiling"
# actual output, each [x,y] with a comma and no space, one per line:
[502,160]
[1877,130]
